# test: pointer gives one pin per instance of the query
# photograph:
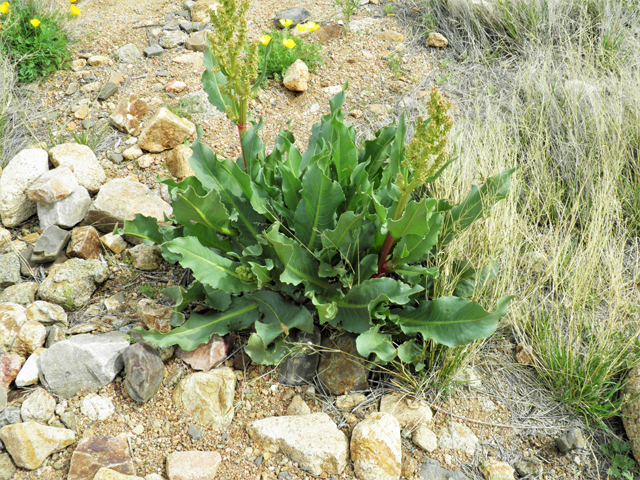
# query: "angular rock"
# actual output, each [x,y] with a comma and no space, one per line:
[349,402]
[22,170]
[69,420]
[164,131]
[82,361]
[296,15]
[529,466]
[31,337]
[121,200]
[22,293]
[208,396]
[9,270]
[30,371]
[114,242]
[99,61]
[408,411]
[144,372]
[195,60]
[128,115]
[127,54]
[94,453]
[10,366]
[327,33]
[96,407]
[571,440]
[12,317]
[458,437]
[153,51]
[85,243]
[53,185]
[297,77]
[50,244]
[7,468]
[437,40]
[202,9]
[206,356]
[178,162]
[47,313]
[175,87]
[39,407]
[343,371]
[169,39]
[425,438]
[108,474]
[193,465]
[73,281]
[82,161]
[431,470]
[67,212]
[391,36]
[108,90]
[313,441]
[56,334]
[376,448]
[30,443]
[197,42]
[298,407]
[9,416]
[146,257]
[300,369]
[132,153]
[5,238]
[494,470]
[191,26]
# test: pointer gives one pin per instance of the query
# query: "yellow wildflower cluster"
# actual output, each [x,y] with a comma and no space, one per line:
[287,22]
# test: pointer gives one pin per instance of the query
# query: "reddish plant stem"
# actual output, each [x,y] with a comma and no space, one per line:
[384,253]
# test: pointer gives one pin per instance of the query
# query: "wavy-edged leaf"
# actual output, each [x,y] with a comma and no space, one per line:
[175,186]
[279,316]
[414,220]
[415,274]
[348,237]
[144,228]
[376,151]
[451,321]
[212,83]
[372,341]
[260,353]
[414,248]
[470,279]
[291,186]
[410,352]
[343,149]
[216,298]
[262,272]
[242,313]
[189,207]
[184,296]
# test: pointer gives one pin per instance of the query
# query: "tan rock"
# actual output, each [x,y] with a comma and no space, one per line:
[494,470]
[82,112]
[30,443]
[94,453]
[425,439]
[376,448]
[408,411]
[175,87]
[132,153]
[458,437]
[349,402]
[78,64]
[154,315]
[298,407]
[164,131]
[193,465]
[108,474]
[195,60]
[145,161]
[128,114]
[53,185]
[31,336]
[117,78]
[327,33]
[437,40]
[84,243]
[99,61]
[178,162]
[631,412]
[81,159]
[114,242]
[390,36]
[197,42]
[297,77]
[202,9]
[206,356]
[524,354]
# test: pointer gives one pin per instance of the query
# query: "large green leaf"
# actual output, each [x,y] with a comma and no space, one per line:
[184,296]
[348,237]
[416,248]
[242,313]
[209,210]
[451,321]
[414,220]
[208,267]
[396,155]
[343,149]
[376,151]
[291,186]
[470,279]
[356,307]
[212,83]
[260,353]
[280,316]
[316,211]
[216,298]
[372,341]
[144,228]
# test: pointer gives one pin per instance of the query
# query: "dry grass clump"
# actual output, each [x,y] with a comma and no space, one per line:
[7,84]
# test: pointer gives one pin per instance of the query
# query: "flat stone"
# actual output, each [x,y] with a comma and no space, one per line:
[327,33]
[47,313]
[50,244]
[494,470]
[153,51]
[30,371]
[146,257]
[376,448]
[108,90]
[21,293]
[39,407]
[342,371]
[178,162]
[431,470]
[208,396]
[206,356]
[21,172]
[176,86]
[67,212]
[9,270]
[529,466]
[128,115]
[30,443]
[94,453]
[298,407]
[408,411]
[73,282]
[425,439]
[114,242]
[99,61]
[190,27]
[82,161]
[300,369]
[95,407]
[571,440]
[458,437]
[169,39]
[85,243]
[144,372]
[56,334]
[313,441]
[82,361]
[31,337]
[70,420]
[53,185]
[193,465]
[165,131]
[127,54]
[296,15]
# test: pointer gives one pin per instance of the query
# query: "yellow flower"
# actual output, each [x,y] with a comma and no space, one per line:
[301,27]
[265,39]
[285,22]
[289,43]
[75,10]
[312,26]
[4,8]
[73,1]
[35,23]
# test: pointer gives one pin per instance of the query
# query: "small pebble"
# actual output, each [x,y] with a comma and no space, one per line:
[195,431]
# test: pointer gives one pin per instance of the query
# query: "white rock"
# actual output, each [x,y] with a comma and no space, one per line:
[408,411]
[82,161]
[457,437]
[96,407]
[39,407]
[297,77]
[65,213]
[53,185]
[376,448]
[47,313]
[29,372]
[425,439]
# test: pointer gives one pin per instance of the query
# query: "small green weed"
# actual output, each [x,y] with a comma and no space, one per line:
[388,8]
[622,465]
[69,304]
[348,8]
[90,136]
[282,57]
[395,64]
[148,291]
[186,107]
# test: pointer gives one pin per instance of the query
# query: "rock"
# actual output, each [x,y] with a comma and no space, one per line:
[165,131]
[468,377]
[108,90]
[144,372]
[82,361]
[437,40]
[132,153]
[193,465]
[9,270]
[327,33]
[154,315]
[31,336]
[342,372]
[146,257]
[172,38]
[431,470]
[47,313]
[53,185]
[153,51]
[494,470]
[99,61]
[22,293]
[82,161]
[94,453]
[120,200]
[178,162]
[145,161]
[30,371]
[39,407]
[90,88]
[117,77]
[313,441]
[128,115]
[195,60]
[175,87]
[85,243]
[30,443]
[12,317]
[425,438]
[349,402]
[202,9]
[531,467]
[72,88]
[297,77]
[55,335]
[300,368]
[70,420]
[390,36]
[50,244]
[524,354]
[96,407]
[631,410]
[197,42]
[208,396]
[5,238]
[116,158]
[67,212]
[376,448]
[10,366]
[296,15]
[195,432]
[191,26]
[379,109]
[21,172]
[458,437]
[408,411]
[82,112]
[7,468]
[298,407]
[108,474]
[571,440]
[114,242]
[127,54]
[73,282]
[9,416]
[206,356]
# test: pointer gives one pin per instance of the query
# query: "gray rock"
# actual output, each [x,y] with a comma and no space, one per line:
[300,369]
[116,158]
[17,177]
[195,432]
[197,42]
[9,416]
[39,407]
[55,334]
[457,436]
[29,444]
[73,282]
[172,39]
[341,368]
[431,470]
[108,90]
[172,25]
[146,257]
[144,372]
[50,244]
[570,440]
[53,185]
[70,420]
[22,293]
[127,54]
[376,448]
[82,361]
[7,468]
[82,161]
[47,313]
[296,15]
[191,26]
[529,466]
[67,212]
[9,270]
[153,51]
